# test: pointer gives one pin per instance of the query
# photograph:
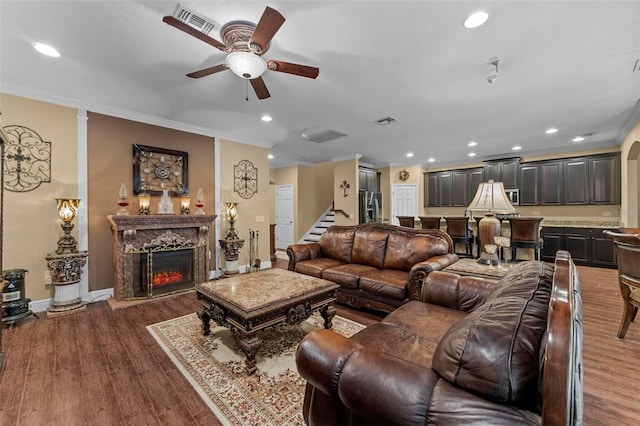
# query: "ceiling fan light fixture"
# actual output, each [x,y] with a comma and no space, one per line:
[246,65]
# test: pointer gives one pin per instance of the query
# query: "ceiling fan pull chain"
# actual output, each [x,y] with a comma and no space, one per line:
[246,98]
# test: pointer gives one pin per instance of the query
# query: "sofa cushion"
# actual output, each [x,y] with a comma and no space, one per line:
[369,246]
[337,243]
[315,267]
[347,275]
[494,351]
[404,250]
[386,282]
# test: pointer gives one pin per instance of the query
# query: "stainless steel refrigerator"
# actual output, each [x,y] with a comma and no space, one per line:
[370,206]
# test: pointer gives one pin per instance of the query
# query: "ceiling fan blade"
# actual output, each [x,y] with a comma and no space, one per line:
[193,32]
[295,69]
[260,88]
[269,24]
[208,71]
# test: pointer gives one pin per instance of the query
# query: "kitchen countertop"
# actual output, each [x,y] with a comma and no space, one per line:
[580,223]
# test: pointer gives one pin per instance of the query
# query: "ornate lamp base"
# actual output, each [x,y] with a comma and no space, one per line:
[66,271]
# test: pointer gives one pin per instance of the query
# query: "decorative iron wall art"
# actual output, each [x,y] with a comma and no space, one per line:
[27,159]
[156,169]
[245,179]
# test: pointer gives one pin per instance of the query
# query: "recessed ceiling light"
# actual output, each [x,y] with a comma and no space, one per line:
[578,139]
[431,160]
[476,19]
[551,130]
[516,148]
[266,118]
[409,154]
[472,143]
[472,154]
[45,49]
[270,156]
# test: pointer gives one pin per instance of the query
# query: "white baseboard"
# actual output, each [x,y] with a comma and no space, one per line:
[242,268]
[94,296]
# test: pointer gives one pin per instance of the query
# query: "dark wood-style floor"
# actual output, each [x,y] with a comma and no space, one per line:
[102,367]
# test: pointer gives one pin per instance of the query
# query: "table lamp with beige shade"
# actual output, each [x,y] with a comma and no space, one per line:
[492,199]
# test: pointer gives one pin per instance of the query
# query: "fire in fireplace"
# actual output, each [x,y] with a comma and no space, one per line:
[166,270]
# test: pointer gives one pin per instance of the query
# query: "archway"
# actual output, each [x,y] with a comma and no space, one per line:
[631,209]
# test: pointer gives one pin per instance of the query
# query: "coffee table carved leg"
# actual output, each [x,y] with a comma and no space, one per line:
[328,312]
[250,345]
[205,318]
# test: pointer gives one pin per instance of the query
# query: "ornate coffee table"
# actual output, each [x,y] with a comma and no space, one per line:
[249,303]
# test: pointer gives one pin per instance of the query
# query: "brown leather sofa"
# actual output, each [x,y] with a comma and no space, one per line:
[470,351]
[377,266]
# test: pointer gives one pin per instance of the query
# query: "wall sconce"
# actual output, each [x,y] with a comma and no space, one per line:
[67,211]
[345,186]
[185,205]
[144,201]
[232,211]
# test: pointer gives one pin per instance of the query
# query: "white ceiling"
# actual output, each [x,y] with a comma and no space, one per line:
[566,64]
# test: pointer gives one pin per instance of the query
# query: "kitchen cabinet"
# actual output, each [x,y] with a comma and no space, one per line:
[529,184]
[551,188]
[588,246]
[452,188]
[505,171]
[604,179]
[368,179]
[576,181]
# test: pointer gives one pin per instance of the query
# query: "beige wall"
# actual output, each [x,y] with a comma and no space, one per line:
[313,193]
[346,171]
[253,213]
[31,224]
[110,154]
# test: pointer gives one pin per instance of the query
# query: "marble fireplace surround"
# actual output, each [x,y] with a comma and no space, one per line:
[131,233]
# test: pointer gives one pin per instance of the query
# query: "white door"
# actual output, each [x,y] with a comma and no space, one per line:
[284,216]
[404,201]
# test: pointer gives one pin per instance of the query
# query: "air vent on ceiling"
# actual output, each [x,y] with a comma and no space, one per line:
[325,136]
[385,121]
[198,22]
[636,66]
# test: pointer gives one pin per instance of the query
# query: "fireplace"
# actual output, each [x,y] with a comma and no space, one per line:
[158,255]
[162,270]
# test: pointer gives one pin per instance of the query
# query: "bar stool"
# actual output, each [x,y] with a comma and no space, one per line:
[525,233]
[408,221]
[430,222]
[458,230]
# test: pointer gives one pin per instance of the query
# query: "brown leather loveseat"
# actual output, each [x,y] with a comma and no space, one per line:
[377,266]
[470,351]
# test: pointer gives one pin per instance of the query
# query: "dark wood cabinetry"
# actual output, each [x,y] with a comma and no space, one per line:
[551,188]
[576,181]
[368,179]
[588,246]
[505,171]
[570,181]
[452,188]
[529,186]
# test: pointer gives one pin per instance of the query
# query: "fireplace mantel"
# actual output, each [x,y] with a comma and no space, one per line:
[132,233]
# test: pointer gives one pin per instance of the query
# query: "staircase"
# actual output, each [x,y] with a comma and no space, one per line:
[319,228]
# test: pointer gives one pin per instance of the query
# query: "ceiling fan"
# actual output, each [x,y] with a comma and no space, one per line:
[245,43]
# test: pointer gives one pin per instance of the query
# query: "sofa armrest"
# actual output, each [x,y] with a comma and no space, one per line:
[300,252]
[454,291]
[375,386]
[421,270]
[320,357]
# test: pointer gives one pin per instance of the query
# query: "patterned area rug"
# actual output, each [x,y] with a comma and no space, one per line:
[214,365]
